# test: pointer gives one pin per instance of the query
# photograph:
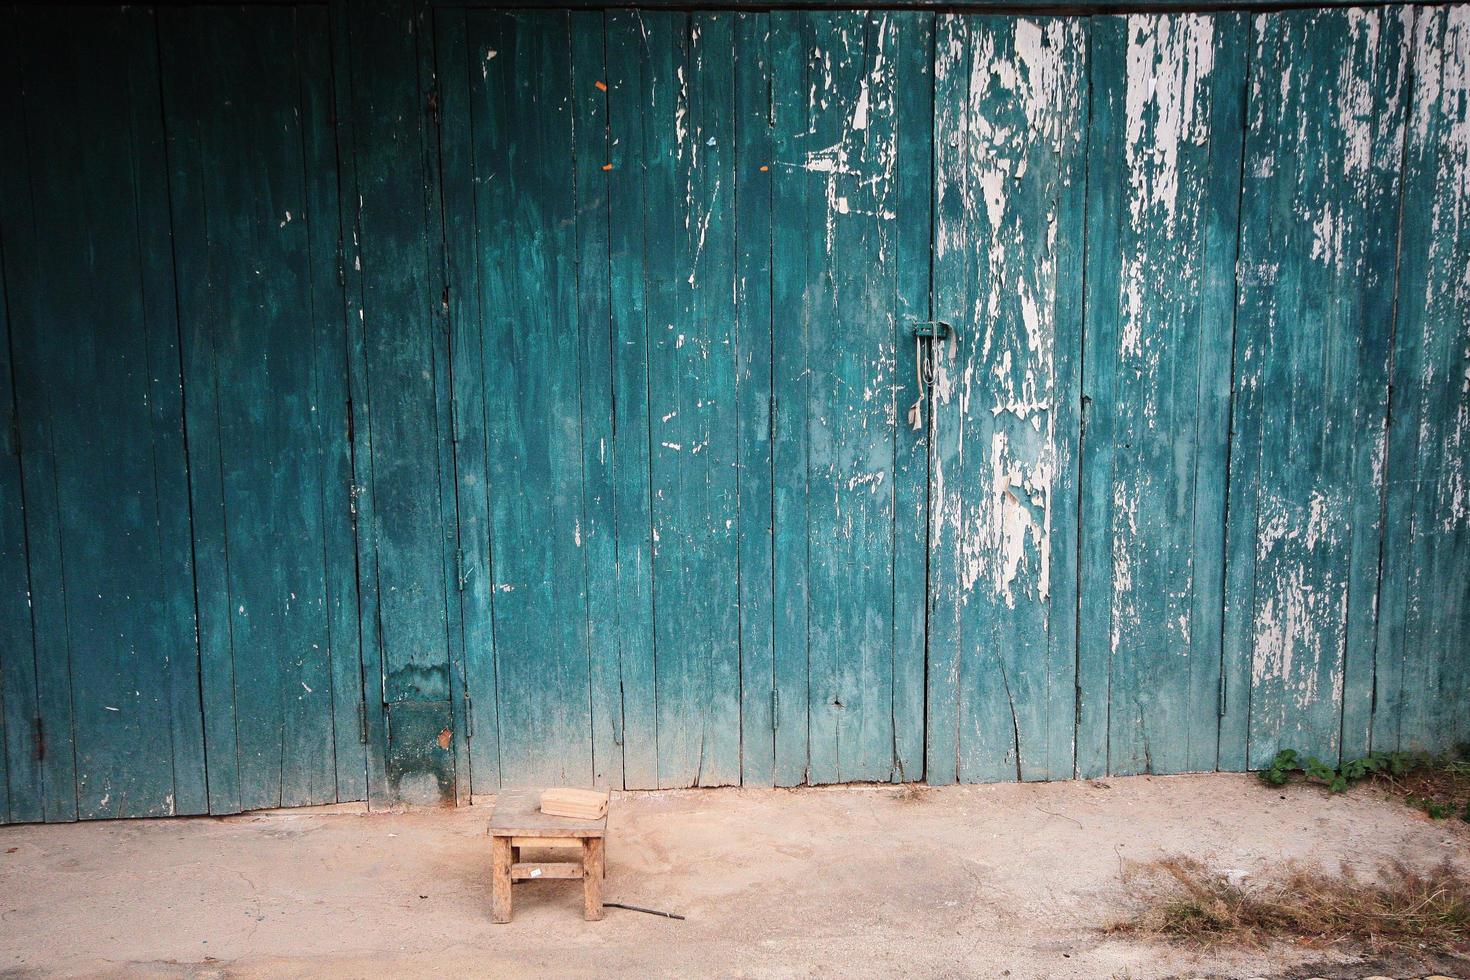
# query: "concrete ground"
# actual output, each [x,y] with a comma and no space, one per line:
[978,881]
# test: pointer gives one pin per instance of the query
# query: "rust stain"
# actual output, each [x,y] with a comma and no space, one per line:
[444,738]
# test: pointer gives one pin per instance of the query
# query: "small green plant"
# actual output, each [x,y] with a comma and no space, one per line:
[1339,778]
[1437,785]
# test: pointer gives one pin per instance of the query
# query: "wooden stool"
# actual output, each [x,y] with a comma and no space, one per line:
[518,822]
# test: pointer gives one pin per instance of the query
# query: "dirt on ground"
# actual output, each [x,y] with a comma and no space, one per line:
[1013,880]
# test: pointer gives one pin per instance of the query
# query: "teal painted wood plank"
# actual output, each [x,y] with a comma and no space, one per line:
[752,167]
[253,342]
[692,399]
[476,579]
[373,722]
[954,202]
[793,223]
[25,776]
[22,785]
[1163,189]
[628,81]
[402,526]
[594,313]
[1004,488]
[452,741]
[1108,82]
[1318,209]
[522,98]
[331,389]
[910,86]
[99,465]
[847,167]
[166,398]
[1423,668]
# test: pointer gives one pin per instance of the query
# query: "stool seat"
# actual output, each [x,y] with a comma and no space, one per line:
[517,822]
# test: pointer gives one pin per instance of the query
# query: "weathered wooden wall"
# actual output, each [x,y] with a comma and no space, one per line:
[399,400]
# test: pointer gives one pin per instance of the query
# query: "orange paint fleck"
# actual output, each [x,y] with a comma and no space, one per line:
[444,738]
[602,86]
[607,166]
[764,168]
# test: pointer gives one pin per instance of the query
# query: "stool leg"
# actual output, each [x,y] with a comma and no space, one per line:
[500,879]
[593,866]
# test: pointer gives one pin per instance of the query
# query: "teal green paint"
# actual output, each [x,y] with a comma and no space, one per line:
[21,783]
[618,396]
[1003,480]
[753,156]
[627,79]
[1423,672]
[271,386]
[397,374]
[102,452]
[474,577]
[911,88]
[598,521]
[1318,205]
[1163,187]
[527,217]
[794,222]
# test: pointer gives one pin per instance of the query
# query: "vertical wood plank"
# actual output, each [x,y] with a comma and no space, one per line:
[628,87]
[753,175]
[100,429]
[689,194]
[1316,287]
[22,786]
[253,342]
[594,298]
[331,397]
[398,351]
[459,187]
[910,86]
[522,98]
[1423,675]
[954,203]
[1004,499]
[1162,193]
[792,225]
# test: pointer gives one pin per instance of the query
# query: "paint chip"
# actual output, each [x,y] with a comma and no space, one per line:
[764,168]
[601,86]
[607,166]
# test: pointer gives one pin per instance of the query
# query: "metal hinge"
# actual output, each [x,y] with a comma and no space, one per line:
[362,722]
[1222,696]
[775,709]
[772,418]
[469,717]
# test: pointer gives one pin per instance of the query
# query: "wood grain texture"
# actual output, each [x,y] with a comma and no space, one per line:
[1163,193]
[1010,124]
[1423,669]
[265,355]
[527,217]
[93,336]
[398,376]
[1319,206]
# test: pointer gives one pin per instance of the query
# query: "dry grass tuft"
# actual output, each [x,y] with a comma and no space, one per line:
[1402,910]
[912,792]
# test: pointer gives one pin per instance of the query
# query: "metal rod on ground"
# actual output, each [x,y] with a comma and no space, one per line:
[637,908]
